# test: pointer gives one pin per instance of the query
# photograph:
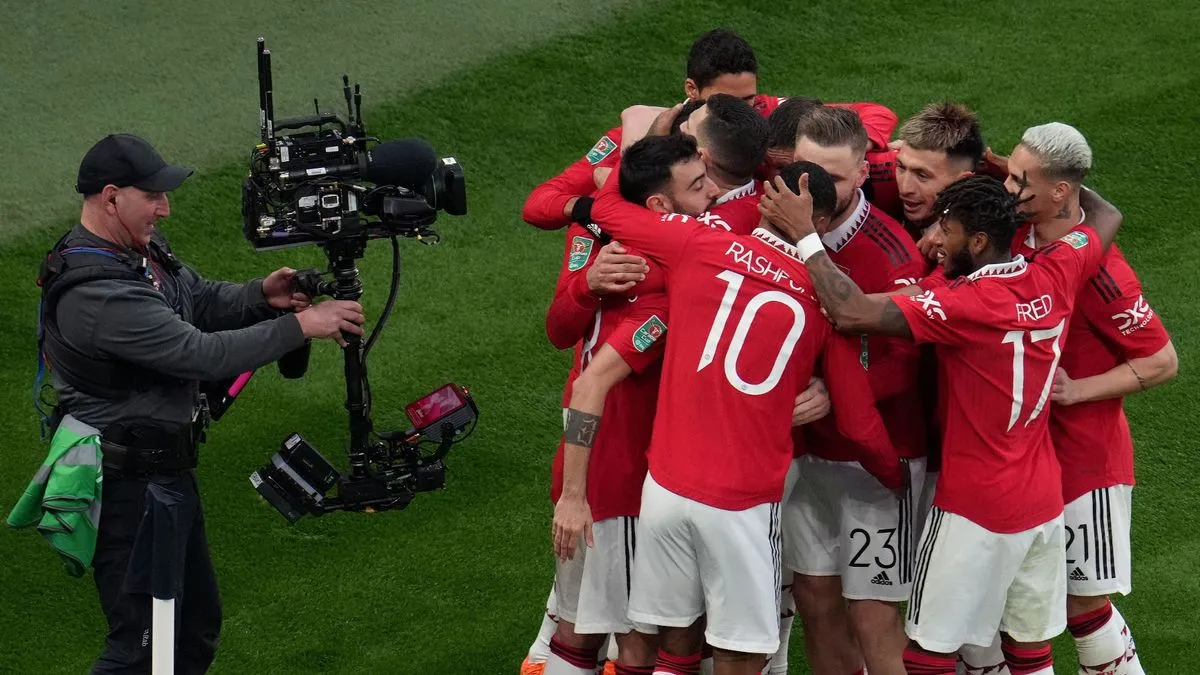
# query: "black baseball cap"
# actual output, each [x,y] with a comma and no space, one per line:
[126,160]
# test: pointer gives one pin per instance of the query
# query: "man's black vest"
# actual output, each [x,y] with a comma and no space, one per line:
[69,266]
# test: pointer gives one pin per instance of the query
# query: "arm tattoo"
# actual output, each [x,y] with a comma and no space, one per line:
[1140,379]
[833,287]
[849,307]
[581,428]
[892,321]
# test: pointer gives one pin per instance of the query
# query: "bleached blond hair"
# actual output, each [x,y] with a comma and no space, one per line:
[1062,150]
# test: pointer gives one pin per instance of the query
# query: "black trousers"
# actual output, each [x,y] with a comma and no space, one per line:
[124,504]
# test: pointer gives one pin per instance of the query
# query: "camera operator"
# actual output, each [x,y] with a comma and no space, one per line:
[128,352]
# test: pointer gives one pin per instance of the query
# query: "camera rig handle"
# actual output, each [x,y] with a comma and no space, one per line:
[311,121]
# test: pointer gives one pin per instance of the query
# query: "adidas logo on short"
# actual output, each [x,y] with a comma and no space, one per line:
[1078,575]
[881,579]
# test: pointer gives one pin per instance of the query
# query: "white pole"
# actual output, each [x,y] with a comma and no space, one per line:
[162,637]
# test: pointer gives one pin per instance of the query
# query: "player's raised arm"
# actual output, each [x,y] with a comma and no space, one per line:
[1104,218]
[662,174]
[565,198]
[848,307]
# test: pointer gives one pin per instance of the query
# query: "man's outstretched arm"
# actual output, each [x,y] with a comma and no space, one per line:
[851,310]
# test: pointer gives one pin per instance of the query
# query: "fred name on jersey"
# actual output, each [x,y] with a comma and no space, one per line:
[1036,309]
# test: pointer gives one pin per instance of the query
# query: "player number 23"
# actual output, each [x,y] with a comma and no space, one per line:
[1017,339]
[734,280]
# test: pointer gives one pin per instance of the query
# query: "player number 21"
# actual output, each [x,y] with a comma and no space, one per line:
[1017,339]
[743,328]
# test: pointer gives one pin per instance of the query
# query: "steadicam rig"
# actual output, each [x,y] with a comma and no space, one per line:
[338,188]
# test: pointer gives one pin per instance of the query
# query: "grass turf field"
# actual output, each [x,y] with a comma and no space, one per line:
[455,582]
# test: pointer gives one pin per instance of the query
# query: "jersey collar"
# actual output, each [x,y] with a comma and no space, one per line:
[1031,237]
[1012,268]
[737,193]
[777,243]
[841,235]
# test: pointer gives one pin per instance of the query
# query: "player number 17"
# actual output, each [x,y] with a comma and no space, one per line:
[1017,339]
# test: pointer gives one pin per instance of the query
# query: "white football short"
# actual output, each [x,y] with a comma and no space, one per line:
[1098,550]
[971,582]
[925,501]
[841,521]
[696,559]
[592,588]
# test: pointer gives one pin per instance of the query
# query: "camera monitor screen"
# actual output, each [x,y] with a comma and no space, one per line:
[435,406]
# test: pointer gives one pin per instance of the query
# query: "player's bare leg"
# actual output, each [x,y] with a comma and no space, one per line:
[636,653]
[1102,637]
[880,634]
[1027,658]
[679,649]
[726,662]
[573,653]
[828,640]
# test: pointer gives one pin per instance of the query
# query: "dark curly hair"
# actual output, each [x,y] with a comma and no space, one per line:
[982,204]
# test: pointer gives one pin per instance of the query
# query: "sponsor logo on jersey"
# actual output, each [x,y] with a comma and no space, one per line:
[1076,239]
[581,249]
[603,148]
[1078,575]
[863,356]
[931,305]
[1135,317]
[713,220]
[648,333]
[1035,309]
[881,579]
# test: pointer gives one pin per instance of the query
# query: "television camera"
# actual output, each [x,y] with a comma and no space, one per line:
[322,180]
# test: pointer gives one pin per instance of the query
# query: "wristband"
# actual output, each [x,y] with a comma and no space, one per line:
[809,246]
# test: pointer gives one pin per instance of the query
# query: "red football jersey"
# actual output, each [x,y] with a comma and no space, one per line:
[746,333]
[1112,324]
[999,334]
[879,257]
[544,206]
[735,211]
[617,462]
[766,104]
[885,193]
[573,308]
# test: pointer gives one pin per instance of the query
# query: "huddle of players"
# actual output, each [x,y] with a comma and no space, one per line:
[992,319]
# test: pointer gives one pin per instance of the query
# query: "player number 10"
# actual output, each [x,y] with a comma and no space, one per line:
[1017,339]
[743,328]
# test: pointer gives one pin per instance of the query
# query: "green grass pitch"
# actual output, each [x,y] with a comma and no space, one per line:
[455,583]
